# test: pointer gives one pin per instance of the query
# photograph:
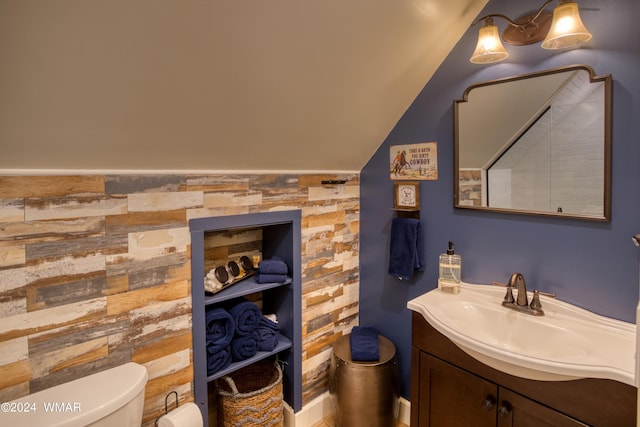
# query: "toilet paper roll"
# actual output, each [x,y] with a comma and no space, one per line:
[187,415]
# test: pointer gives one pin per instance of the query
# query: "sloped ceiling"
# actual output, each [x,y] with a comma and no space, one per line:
[256,85]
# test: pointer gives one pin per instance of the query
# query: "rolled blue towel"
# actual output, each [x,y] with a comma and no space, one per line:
[246,316]
[271,278]
[218,360]
[220,328]
[244,347]
[268,332]
[274,265]
[364,344]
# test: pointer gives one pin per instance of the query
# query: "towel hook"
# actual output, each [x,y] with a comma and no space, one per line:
[166,405]
[333,181]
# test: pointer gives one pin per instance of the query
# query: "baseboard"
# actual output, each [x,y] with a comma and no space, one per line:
[321,407]
[311,413]
[404,411]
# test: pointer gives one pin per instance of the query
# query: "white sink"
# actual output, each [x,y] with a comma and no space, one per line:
[566,343]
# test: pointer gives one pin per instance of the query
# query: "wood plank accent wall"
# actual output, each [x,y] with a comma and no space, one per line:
[95,272]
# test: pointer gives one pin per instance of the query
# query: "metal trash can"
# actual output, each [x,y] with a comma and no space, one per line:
[364,393]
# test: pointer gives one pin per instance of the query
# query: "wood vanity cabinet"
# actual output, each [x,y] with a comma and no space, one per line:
[450,388]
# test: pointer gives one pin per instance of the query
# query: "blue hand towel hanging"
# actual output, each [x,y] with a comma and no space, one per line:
[406,248]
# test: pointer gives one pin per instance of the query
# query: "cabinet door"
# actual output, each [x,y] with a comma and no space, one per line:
[452,397]
[515,410]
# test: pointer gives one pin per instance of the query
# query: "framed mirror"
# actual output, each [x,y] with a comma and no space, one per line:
[537,144]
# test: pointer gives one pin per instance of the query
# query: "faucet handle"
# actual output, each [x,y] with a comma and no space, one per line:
[508,298]
[535,301]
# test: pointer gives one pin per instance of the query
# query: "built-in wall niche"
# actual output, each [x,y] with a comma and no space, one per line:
[216,240]
[223,246]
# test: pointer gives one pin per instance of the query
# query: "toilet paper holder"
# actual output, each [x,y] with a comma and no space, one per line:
[166,405]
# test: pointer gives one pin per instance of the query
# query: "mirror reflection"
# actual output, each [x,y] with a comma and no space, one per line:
[536,144]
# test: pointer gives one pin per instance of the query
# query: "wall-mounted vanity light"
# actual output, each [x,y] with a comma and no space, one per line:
[560,30]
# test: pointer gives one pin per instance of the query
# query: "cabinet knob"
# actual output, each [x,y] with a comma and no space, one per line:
[489,402]
[505,408]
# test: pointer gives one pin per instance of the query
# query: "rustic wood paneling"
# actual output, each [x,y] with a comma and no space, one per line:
[12,255]
[95,272]
[76,245]
[151,202]
[113,359]
[223,246]
[51,340]
[25,324]
[126,184]
[73,207]
[44,231]
[69,356]
[11,210]
[162,347]
[217,183]
[15,373]
[127,301]
[45,186]
[46,272]
[66,291]
[145,221]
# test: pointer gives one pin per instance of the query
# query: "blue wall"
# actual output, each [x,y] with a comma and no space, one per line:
[592,265]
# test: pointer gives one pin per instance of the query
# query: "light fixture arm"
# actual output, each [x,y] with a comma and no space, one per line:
[515,24]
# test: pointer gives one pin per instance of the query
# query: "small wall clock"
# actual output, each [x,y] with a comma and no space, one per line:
[406,195]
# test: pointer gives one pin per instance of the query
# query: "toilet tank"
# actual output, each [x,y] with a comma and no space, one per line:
[114,397]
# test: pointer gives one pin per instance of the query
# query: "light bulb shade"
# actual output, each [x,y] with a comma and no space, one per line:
[489,48]
[567,29]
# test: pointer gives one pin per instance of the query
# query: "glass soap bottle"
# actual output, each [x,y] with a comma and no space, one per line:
[450,270]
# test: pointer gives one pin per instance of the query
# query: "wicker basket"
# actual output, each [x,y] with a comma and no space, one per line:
[251,396]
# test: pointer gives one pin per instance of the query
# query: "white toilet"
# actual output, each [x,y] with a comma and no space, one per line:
[114,397]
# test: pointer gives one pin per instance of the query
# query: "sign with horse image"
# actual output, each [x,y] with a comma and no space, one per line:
[414,161]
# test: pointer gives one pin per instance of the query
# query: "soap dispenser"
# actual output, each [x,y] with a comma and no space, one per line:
[450,271]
